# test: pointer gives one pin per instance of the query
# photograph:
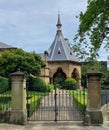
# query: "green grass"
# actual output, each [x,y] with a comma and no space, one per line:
[80,99]
[5,101]
[34,100]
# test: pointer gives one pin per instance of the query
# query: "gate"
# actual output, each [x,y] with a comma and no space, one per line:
[58,105]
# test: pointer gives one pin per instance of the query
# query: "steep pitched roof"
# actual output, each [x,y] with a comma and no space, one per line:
[60,49]
[4,46]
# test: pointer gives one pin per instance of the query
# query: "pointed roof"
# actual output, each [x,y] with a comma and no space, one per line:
[60,49]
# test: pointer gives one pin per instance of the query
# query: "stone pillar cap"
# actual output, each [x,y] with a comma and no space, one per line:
[17,73]
[94,72]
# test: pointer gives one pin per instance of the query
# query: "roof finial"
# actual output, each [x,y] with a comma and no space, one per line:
[59,22]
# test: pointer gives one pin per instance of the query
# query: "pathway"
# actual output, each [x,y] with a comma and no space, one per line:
[64,105]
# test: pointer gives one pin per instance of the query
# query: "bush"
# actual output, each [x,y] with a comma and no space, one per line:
[4,84]
[37,84]
[71,84]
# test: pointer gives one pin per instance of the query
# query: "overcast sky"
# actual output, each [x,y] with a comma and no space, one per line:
[31,24]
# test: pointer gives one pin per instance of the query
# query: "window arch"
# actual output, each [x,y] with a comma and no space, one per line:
[59,77]
[75,74]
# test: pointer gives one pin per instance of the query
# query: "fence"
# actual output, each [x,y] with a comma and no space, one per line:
[5,103]
[104,98]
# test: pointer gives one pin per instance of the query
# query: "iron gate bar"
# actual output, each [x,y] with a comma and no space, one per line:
[56,106]
[5,106]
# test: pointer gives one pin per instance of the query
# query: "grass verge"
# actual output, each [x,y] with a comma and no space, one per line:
[5,101]
[33,101]
[80,99]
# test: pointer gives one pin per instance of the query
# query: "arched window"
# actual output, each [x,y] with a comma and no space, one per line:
[75,74]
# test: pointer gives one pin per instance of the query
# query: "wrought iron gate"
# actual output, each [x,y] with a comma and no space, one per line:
[58,105]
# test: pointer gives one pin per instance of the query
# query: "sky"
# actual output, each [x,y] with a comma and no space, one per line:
[31,24]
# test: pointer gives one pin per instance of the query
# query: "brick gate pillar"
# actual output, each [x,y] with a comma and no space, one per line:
[94,97]
[18,112]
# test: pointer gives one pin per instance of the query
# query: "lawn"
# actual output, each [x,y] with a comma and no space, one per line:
[5,101]
[33,101]
[80,99]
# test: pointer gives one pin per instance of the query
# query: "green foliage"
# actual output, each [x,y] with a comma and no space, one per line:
[34,99]
[33,104]
[89,64]
[59,80]
[49,87]
[37,84]
[94,26]
[4,84]
[80,99]
[98,66]
[71,84]
[5,101]
[11,60]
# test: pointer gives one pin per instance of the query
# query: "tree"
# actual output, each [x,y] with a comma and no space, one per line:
[97,65]
[94,26]
[86,67]
[11,60]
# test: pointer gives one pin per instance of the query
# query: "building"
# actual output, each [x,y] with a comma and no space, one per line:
[4,47]
[60,60]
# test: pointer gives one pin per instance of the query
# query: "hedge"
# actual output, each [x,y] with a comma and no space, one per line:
[4,84]
[37,84]
[70,84]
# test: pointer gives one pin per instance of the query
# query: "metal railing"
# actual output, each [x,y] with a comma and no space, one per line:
[5,106]
[104,97]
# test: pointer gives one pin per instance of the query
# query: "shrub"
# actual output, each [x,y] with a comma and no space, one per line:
[71,84]
[4,84]
[37,84]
